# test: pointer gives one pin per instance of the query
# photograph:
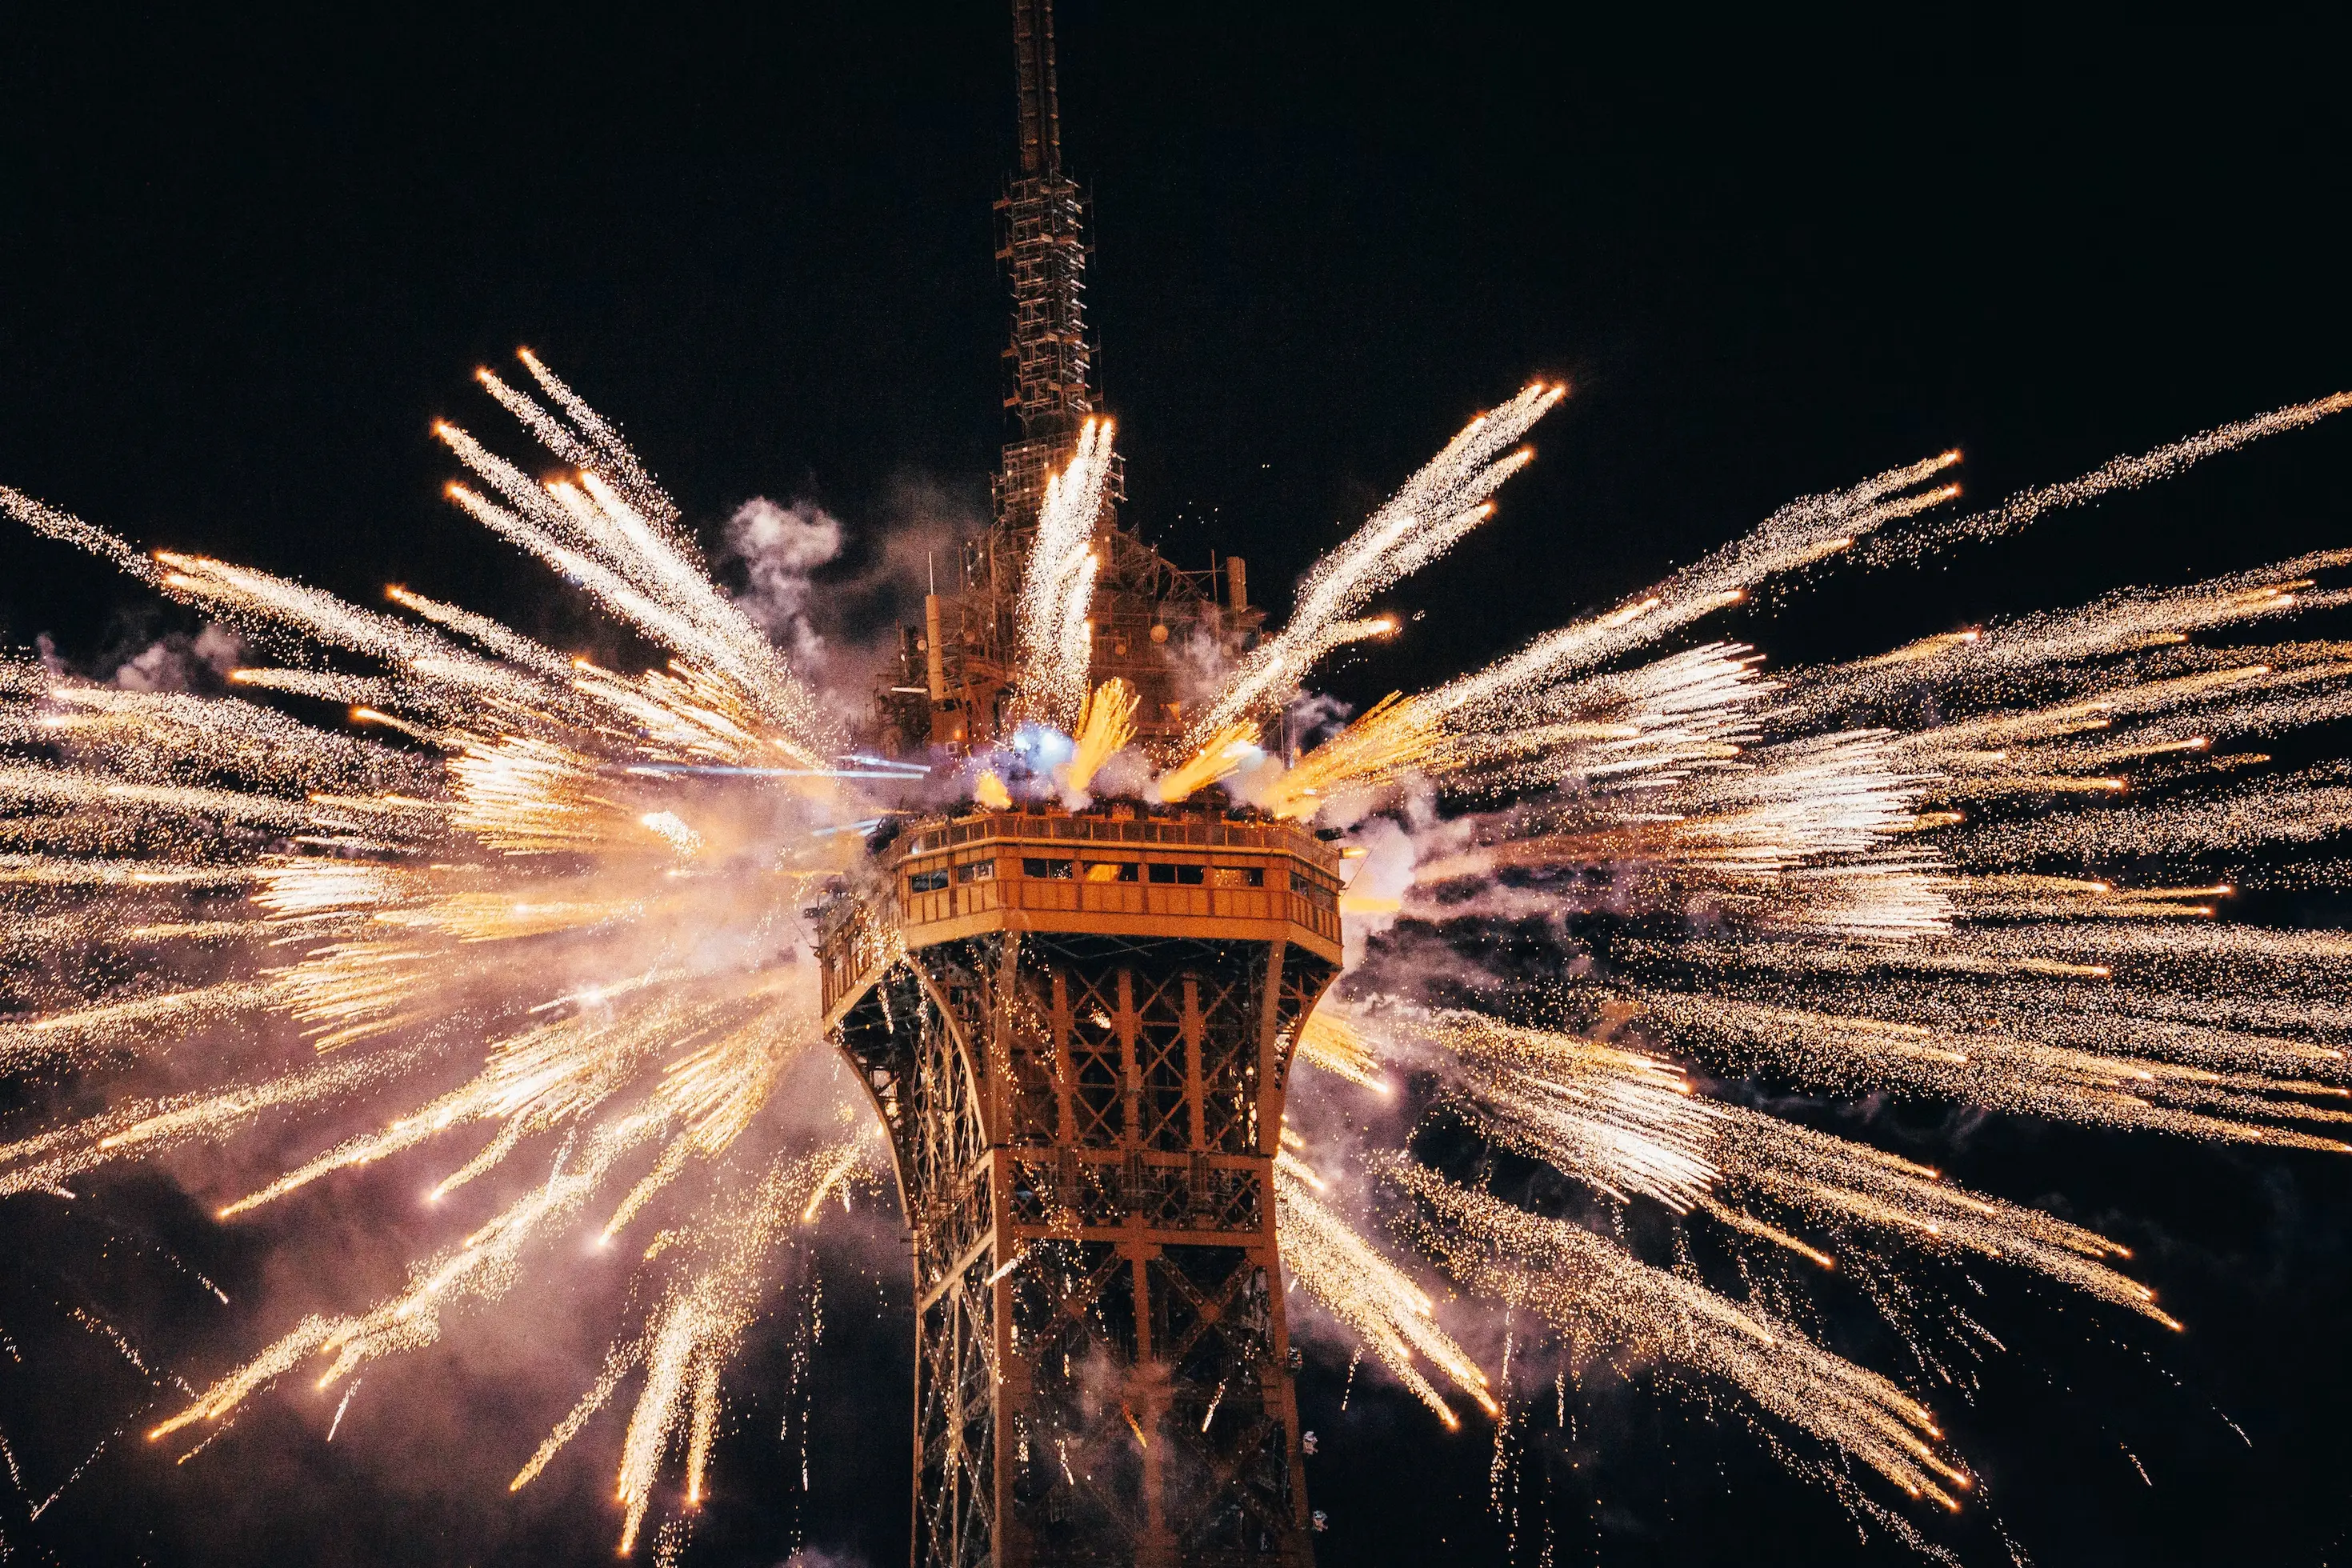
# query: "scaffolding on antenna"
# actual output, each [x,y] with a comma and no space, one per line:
[1078,1028]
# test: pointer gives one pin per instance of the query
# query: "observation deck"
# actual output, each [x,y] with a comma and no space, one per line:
[1115,871]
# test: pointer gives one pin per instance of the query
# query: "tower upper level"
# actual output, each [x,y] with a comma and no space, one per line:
[1116,870]
[954,673]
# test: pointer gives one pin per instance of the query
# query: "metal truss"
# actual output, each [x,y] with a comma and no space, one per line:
[1084,1130]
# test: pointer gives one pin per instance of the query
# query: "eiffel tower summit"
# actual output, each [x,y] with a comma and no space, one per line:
[1077,1025]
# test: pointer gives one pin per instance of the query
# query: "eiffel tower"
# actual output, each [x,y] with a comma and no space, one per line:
[1078,1028]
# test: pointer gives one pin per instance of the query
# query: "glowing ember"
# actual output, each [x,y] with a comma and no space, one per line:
[525,910]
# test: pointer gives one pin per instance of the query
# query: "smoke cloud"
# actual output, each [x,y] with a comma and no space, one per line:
[174,662]
[778,549]
[833,594]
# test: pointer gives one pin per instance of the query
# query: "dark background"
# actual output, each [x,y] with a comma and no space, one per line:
[244,258]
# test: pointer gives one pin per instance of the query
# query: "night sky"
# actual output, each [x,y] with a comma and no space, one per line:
[244,261]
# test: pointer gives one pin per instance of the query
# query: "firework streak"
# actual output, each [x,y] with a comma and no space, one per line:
[443,892]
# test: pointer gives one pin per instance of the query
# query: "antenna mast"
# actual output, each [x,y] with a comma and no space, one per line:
[1042,242]
[954,672]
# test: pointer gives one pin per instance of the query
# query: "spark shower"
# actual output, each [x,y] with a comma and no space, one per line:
[536,922]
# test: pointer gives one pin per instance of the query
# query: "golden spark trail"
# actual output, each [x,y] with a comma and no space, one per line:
[1057,589]
[1389,739]
[1370,1295]
[2001,1071]
[2126,473]
[1621,1121]
[1422,521]
[1612,1305]
[1330,1044]
[1798,535]
[616,1367]
[1215,758]
[1106,724]
[533,927]
[1834,1181]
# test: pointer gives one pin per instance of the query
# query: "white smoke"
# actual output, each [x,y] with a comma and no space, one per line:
[821,1557]
[178,662]
[1377,891]
[171,664]
[834,595]
[778,548]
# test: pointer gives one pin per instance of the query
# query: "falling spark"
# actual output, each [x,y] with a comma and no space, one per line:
[1372,1295]
[1106,724]
[340,1405]
[514,912]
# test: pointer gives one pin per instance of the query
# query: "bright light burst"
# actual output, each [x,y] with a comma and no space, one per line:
[532,914]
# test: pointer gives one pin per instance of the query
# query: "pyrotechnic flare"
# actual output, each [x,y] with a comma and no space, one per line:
[1106,724]
[2118,474]
[1610,1305]
[597,879]
[1394,1318]
[1883,923]
[1621,1121]
[1799,535]
[1329,1043]
[526,914]
[1216,759]
[1057,586]
[1389,739]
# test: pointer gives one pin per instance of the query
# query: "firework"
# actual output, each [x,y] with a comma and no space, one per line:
[641,838]
[1330,1042]
[1106,724]
[512,911]
[1389,739]
[1216,758]
[1437,506]
[1369,1294]
[1612,1304]
[1897,906]
[2123,473]
[1057,588]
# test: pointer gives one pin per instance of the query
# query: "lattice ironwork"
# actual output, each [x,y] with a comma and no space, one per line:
[1042,244]
[1083,1083]
[949,683]
[1084,1130]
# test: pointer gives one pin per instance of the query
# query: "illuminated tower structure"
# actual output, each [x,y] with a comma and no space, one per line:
[953,674]
[1078,1028]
